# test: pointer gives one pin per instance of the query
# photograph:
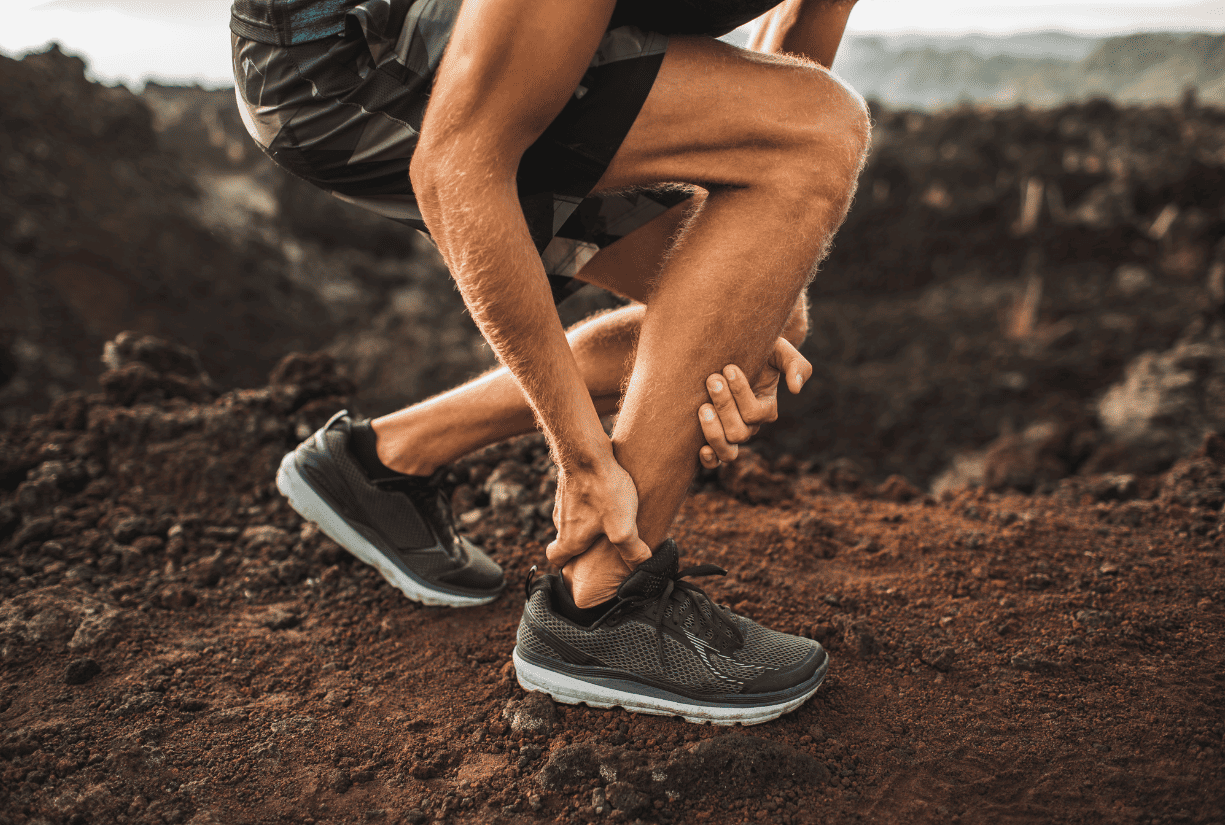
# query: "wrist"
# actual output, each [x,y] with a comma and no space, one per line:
[591,456]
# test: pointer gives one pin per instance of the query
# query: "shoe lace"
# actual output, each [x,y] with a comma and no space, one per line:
[687,606]
[428,494]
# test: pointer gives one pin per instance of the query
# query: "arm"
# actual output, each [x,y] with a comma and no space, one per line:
[809,28]
[495,93]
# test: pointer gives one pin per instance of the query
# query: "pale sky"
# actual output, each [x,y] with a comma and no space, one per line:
[188,40]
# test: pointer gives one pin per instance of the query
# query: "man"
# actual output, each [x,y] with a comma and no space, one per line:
[710,178]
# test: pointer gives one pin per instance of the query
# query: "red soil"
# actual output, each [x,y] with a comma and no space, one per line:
[177,646]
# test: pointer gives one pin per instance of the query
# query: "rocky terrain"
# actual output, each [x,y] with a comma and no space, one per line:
[177,646]
[1006,283]
[999,503]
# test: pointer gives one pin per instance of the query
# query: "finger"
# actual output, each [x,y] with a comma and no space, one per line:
[633,550]
[716,440]
[735,430]
[787,359]
[708,458]
[568,544]
[753,409]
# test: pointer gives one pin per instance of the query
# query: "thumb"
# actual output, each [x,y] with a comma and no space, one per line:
[794,366]
[633,550]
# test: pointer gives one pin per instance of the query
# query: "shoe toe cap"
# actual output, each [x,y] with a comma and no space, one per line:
[479,573]
[797,673]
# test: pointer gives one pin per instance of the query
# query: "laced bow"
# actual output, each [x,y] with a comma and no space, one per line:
[681,602]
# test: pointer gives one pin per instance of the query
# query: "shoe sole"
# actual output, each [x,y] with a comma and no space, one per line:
[311,506]
[573,691]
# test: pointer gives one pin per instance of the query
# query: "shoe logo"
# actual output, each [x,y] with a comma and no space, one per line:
[724,668]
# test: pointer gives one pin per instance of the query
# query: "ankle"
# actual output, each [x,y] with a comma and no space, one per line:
[401,452]
[593,577]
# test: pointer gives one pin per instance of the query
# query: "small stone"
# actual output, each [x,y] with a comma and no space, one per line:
[130,528]
[940,658]
[1036,664]
[338,781]
[535,714]
[279,619]
[1038,581]
[176,597]
[139,703]
[1095,618]
[414,816]
[34,530]
[81,671]
[264,535]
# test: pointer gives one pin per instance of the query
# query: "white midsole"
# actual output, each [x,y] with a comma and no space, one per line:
[311,506]
[571,691]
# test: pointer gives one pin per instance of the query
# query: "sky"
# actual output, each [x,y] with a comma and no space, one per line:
[178,41]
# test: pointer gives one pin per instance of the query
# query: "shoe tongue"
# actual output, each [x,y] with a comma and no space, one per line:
[651,577]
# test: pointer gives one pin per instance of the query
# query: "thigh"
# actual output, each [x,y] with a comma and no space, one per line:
[719,116]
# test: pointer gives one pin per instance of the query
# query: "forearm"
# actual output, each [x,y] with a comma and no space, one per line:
[809,28]
[484,239]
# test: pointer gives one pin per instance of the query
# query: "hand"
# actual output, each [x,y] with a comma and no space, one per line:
[737,410]
[592,504]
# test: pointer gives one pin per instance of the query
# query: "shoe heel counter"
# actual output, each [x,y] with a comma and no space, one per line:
[531,637]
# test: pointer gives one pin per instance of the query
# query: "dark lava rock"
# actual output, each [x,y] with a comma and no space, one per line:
[575,765]
[162,357]
[139,383]
[130,528]
[337,781]
[280,619]
[34,530]
[940,658]
[1199,479]
[897,488]
[535,714]
[624,797]
[81,671]
[313,375]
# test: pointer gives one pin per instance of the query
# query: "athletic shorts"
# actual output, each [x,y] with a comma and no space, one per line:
[344,112]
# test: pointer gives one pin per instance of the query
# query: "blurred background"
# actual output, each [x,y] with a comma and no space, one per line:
[1030,285]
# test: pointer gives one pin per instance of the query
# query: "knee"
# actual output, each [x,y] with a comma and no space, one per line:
[796,328]
[833,135]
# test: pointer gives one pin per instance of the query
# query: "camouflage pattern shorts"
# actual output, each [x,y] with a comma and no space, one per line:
[344,113]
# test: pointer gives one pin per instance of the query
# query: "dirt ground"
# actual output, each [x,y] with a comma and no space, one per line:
[176,645]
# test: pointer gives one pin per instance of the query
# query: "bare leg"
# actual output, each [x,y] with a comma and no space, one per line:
[780,175]
[424,436]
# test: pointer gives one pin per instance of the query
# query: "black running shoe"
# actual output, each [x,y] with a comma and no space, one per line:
[663,647]
[402,526]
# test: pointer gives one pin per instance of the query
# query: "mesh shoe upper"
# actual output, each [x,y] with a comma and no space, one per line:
[408,518]
[668,633]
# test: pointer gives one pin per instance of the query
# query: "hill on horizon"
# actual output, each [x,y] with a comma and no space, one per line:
[1044,68]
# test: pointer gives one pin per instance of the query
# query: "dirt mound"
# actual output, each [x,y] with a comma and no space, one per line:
[999,272]
[156,213]
[101,235]
[177,646]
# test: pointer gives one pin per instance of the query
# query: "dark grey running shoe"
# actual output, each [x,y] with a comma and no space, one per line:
[664,647]
[403,526]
